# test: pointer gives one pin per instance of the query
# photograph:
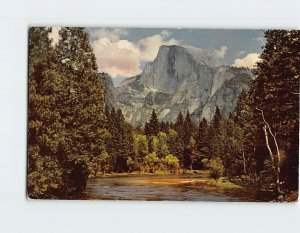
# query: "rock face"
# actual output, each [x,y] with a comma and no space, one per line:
[109,91]
[181,79]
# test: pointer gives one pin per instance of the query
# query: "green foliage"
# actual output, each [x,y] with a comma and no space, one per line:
[275,91]
[104,162]
[153,144]
[171,163]
[73,136]
[132,165]
[46,179]
[216,168]
[176,145]
[66,114]
[216,122]
[162,146]
[202,142]
[275,94]
[151,163]
[152,126]
[140,147]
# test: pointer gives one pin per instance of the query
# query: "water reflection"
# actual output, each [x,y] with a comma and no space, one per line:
[163,187]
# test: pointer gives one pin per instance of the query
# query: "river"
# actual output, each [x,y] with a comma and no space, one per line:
[192,187]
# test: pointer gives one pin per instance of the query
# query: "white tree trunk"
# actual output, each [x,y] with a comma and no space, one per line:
[275,157]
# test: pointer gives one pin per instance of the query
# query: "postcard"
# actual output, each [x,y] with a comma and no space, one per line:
[163,114]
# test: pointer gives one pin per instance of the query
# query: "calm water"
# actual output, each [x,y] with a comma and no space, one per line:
[168,187]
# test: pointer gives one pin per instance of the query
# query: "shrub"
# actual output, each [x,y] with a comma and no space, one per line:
[216,168]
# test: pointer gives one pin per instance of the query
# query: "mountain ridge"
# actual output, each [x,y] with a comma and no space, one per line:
[176,81]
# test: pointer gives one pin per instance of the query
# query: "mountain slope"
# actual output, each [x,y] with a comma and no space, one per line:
[109,90]
[181,80]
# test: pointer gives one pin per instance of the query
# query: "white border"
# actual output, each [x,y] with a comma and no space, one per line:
[20,215]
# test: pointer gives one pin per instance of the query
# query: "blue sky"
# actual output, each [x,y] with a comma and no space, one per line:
[238,42]
[123,52]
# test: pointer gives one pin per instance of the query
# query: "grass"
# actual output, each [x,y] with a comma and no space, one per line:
[224,183]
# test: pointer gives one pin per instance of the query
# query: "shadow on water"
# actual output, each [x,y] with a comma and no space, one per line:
[169,187]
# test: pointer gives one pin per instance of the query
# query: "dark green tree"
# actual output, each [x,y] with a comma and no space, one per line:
[120,145]
[275,94]
[45,130]
[81,101]
[152,126]
[202,141]
[66,114]
[178,126]
[216,121]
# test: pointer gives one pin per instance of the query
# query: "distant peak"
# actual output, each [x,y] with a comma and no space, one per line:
[163,47]
[200,56]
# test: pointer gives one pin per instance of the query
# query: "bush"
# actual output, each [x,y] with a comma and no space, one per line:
[151,162]
[171,163]
[216,168]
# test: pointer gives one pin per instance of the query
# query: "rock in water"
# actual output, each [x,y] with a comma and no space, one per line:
[181,79]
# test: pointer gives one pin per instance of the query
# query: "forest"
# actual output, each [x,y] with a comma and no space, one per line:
[73,136]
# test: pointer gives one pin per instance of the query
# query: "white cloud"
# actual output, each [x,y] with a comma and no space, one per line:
[121,58]
[149,46]
[54,35]
[221,52]
[242,52]
[117,58]
[248,61]
[111,33]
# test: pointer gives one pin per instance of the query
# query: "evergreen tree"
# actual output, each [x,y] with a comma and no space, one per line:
[275,94]
[45,130]
[121,144]
[81,101]
[152,127]
[188,128]
[189,155]
[203,141]
[66,114]
[147,129]
[178,126]
[216,121]
[187,136]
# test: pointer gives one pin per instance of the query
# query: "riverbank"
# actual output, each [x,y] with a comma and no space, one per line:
[196,177]
[191,186]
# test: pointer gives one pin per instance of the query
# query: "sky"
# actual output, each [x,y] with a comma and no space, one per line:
[123,52]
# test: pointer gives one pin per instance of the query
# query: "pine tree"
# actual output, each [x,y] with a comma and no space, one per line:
[45,129]
[147,129]
[71,116]
[188,128]
[152,128]
[81,102]
[178,126]
[216,122]
[120,145]
[275,94]
[189,155]
[203,140]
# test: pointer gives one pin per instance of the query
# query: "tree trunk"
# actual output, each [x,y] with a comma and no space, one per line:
[244,159]
[275,158]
